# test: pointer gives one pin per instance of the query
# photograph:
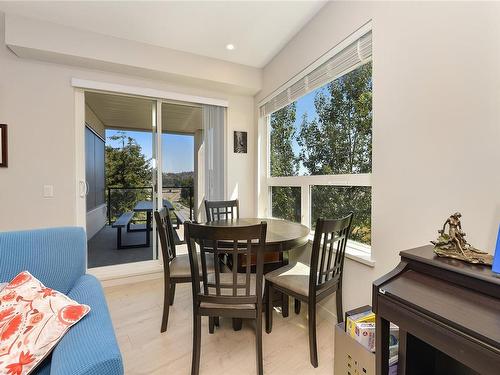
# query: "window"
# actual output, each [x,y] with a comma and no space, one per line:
[320,150]
[286,202]
[337,201]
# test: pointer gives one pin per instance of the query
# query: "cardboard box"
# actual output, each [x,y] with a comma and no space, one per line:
[350,357]
[361,327]
[362,309]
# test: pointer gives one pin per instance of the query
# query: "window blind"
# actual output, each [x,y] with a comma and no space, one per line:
[349,58]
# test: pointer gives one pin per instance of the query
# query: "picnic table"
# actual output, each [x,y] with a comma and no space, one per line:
[125,219]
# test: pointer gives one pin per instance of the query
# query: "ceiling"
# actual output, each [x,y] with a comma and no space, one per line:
[258,29]
[125,112]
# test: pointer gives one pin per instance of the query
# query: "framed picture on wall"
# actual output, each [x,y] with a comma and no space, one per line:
[3,145]
[240,142]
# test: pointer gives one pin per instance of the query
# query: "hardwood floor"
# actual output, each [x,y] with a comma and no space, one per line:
[136,312]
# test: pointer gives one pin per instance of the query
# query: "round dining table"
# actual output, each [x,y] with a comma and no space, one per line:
[282,235]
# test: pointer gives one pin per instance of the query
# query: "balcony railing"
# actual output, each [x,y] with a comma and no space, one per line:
[123,199]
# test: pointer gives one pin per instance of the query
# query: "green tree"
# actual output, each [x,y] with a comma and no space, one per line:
[338,141]
[283,161]
[285,200]
[181,180]
[126,167]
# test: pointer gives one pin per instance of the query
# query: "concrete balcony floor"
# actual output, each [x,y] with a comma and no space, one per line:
[102,249]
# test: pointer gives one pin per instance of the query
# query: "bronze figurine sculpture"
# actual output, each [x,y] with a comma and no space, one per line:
[454,245]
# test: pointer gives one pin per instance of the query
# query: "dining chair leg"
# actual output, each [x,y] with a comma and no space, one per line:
[284,305]
[269,307]
[166,306]
[172,293]
[340,313]
[237,324]
[258,339]
[211,324]
[195,362]
[313,349]
[285,301]
[297,306]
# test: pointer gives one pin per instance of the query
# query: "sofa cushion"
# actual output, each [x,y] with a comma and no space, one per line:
[98,352]
[33,318]
[55,256]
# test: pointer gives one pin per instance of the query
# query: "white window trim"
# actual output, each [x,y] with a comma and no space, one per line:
[355,251]
[305,183]
[89,85]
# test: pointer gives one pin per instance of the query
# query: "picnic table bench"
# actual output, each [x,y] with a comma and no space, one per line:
[122,222]
[125,220]
[180,218]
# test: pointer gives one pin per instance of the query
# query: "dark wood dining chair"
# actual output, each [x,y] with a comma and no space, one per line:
[222,210]
[229,294]
[176,268]
[311,284]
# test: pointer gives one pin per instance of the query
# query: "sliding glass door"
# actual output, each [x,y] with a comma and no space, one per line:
[121,153]
[147,155]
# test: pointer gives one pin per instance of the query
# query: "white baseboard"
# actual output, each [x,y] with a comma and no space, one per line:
[121,274]
[131,279]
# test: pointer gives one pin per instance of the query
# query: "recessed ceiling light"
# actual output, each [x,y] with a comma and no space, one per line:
[230,47]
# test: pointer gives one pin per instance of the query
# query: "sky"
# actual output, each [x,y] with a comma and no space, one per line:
[178,150]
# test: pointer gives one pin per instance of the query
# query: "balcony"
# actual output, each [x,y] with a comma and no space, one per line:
[102,247]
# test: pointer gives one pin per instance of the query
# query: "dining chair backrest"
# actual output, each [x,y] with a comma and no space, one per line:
[328,253]
[222,210]
[228,288]
[166,234]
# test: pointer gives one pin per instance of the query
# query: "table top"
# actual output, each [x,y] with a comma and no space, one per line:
[425,254]
[145,206]
[282,235]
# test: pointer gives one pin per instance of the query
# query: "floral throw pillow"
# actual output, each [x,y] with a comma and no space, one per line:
[33,319]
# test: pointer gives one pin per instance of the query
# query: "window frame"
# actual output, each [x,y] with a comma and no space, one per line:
[306,182]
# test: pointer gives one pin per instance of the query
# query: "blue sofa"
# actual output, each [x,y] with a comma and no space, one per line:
[57,257]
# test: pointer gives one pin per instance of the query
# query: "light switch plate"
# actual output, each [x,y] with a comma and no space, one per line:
[48,191]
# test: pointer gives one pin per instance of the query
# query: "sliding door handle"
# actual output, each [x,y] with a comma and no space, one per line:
[83,188]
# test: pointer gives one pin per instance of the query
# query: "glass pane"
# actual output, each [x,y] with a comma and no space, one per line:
[128,170]
[332,202]
[328,131]
[178,173]
[286,203]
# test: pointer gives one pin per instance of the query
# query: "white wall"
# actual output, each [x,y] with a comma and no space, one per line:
[37,102]
[436,124]
[96,220]
[241,166]
[50,42]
